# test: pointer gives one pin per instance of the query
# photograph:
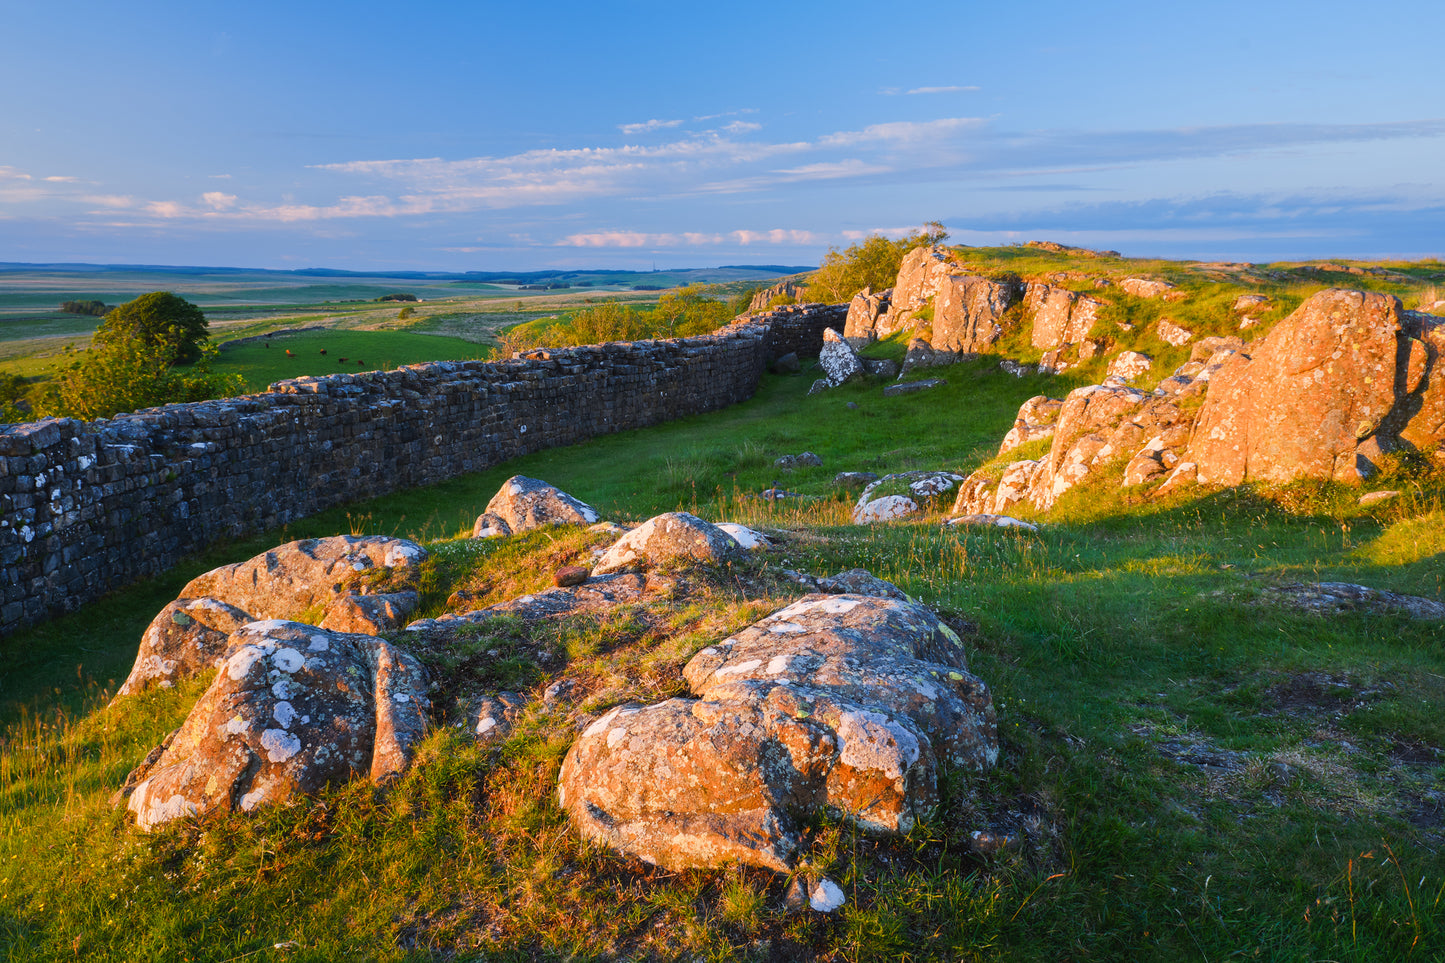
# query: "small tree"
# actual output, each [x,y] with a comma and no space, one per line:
[158,319]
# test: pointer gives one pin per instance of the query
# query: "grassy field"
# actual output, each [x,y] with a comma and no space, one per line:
[1188,771]
[264,362]
[1190,774]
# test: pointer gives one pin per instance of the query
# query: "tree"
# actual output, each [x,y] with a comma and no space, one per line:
[158,319]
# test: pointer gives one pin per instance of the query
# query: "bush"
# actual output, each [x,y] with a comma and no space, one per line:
[397,297]
[127,375]
[95,309]
[156,320]
[872,263]
[405,313]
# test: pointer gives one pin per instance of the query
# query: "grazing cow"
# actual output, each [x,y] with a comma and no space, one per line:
[323,350]
[360,362]
[289,354]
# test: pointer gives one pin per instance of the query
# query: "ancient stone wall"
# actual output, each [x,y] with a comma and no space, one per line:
[90,506]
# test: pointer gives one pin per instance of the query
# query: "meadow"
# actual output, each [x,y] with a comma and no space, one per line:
[1186,773]
[1188,770]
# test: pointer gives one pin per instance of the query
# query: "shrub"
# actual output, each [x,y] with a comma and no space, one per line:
[397,297]
[873,263]
[130,374]
[406,312]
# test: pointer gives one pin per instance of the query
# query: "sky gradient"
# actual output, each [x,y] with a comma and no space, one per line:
[482,136]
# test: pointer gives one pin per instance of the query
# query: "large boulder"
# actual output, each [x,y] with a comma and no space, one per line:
[838,360]
[331,577]
[1345,379]
[524,503]
[839,704]
[291,580]
[186,638]
[292,709]
[667,539]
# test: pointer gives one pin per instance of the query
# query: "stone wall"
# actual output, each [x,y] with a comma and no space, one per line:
[88,507]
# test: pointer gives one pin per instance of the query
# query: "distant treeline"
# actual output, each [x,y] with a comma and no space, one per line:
[94,308]
[397,297]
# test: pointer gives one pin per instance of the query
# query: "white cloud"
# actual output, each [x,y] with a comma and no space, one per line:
[686,239]
[56,179]
[219,201]
[903,132]
[11,174]
[741,127]
[649,125]
[939,90]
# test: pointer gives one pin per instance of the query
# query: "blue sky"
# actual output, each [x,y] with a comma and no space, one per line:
[485,136]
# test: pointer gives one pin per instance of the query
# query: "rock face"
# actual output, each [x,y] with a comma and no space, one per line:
[1060,317]
[1345,379]
[185,639]
[1035,420]
[919,275]
[292,709]
[789,288]
[838,703]
[526,503]
[968,312]
[838,360]
[671,538]
[286,581]
[863,313]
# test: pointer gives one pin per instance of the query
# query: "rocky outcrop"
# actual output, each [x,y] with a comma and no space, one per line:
[334,577]
[1129,366]
[1060,316]
[788,288]
[523,503]
[1337,598]
[1146,287]
[923,487]
[293,708]
[669,539]
[1172,334]
[288,581]
[1345,379]
[968,312]
[1035,420]
[839,704]
[864,311]
[919,276]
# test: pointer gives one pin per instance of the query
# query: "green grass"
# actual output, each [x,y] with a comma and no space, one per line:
[363,350]
[1189,773]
